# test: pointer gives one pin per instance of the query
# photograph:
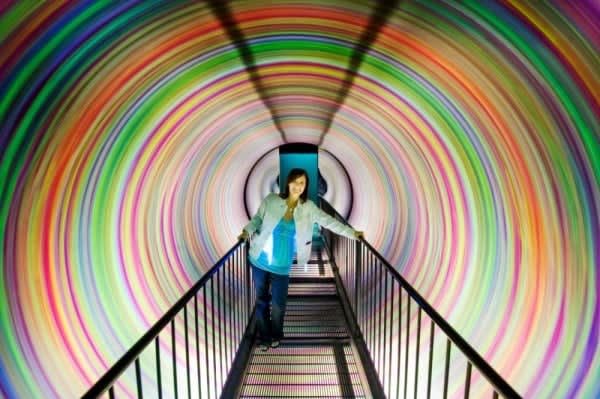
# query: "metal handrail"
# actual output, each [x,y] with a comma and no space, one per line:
[229,387]
[486,370]
[111,376]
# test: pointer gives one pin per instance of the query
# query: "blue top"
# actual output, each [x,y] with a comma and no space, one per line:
[278,252]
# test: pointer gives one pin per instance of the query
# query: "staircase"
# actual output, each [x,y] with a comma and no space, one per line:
[317,357]
[354,328]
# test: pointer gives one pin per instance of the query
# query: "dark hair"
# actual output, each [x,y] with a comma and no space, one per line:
[293,175]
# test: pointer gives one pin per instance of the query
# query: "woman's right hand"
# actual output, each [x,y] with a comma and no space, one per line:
[244,236]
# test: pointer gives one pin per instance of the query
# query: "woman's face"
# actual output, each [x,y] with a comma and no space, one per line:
[297,186]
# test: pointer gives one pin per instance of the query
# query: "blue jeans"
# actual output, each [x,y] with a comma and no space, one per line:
[270,306]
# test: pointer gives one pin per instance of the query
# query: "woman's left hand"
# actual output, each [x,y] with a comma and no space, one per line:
[244,236]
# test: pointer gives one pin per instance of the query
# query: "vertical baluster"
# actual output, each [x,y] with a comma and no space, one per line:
[407,345]
[430,360]
[230,287]
[371,296]
[174,357]
[373,309]
[248,278]
[495,395]
[339,254]
[385,344]
[366,271]
[350,262]
[358,266]
[239,296]
[354,261]
[111,392]
[187,352]
[365,295]
[364,298]
[235,295]
[383,320]
[197,345]
[418,351]
[399,338]
[349,285]
[231,312]
[378,313]
[357,299]
[341,262]
[391,337]
[138,378]
[375,313]
[241,293]
[158,373]
[383,336]
[214,332]
[217,328]
[224,326]
[230,315]
[227,321]
[223,322]
[468,380]
[447,368]
[208,379]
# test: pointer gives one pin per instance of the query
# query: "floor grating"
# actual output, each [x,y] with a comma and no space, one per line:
[316,358]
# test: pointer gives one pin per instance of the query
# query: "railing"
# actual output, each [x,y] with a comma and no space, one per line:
[410,344]
[190,351]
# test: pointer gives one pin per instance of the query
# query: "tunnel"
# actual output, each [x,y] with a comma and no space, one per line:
[138,138]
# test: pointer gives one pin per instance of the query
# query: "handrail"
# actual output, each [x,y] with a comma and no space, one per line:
[487,371]
[493,377]
[107,380]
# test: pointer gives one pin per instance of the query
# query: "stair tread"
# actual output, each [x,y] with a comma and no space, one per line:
[315,358]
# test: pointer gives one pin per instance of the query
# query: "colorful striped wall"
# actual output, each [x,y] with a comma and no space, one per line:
[470,135]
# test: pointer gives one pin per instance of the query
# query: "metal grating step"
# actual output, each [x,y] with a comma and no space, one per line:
[320,269]
[315,359]
[297,369]
[302,391]
[311,289]
[303,370]
[330,377]
[314,319]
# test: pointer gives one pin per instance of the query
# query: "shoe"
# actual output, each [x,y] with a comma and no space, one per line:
[263,346]
[275,344]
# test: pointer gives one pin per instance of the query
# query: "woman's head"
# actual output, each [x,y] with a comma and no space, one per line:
[296,184]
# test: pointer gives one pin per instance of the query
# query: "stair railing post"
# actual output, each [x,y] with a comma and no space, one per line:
[358,274]
[248,280]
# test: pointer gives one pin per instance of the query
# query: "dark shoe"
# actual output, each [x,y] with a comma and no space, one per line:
[275,344]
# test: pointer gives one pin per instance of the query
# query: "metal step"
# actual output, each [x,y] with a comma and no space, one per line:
[316,318]
[316,358]
[302,370]
[315,270]
[308,288]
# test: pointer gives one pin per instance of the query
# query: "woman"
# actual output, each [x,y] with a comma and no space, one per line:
[283,226]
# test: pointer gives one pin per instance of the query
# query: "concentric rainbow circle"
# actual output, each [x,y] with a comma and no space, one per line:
[470,135]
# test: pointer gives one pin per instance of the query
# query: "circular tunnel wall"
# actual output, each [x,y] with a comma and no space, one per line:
[469,133]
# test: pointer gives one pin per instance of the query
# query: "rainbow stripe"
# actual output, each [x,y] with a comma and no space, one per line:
[471,137]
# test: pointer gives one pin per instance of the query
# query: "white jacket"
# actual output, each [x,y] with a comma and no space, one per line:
[270,212]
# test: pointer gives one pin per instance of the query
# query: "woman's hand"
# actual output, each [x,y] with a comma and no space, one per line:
[244,236]
[359,235]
